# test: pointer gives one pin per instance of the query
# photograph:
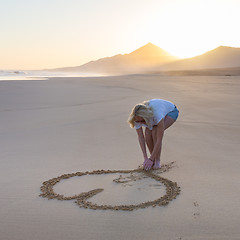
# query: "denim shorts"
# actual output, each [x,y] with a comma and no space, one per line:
[174,113]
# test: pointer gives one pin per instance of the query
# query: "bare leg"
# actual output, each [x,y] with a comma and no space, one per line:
[154,134]
[157,159]
[168,121]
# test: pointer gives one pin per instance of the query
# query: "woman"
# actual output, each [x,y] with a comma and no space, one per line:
[156,115]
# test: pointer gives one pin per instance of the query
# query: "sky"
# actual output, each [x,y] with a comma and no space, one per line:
[39,34]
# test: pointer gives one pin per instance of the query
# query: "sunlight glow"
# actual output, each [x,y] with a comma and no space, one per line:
[71,33]
[188,28]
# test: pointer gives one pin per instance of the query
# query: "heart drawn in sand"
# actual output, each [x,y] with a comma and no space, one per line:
[172,190]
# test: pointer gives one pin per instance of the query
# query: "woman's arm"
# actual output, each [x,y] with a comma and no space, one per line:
[158,144]
[142,142]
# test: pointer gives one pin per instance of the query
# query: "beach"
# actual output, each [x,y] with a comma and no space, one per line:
[70,124]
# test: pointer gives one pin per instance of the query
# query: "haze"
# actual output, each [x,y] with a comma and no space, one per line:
[60,33]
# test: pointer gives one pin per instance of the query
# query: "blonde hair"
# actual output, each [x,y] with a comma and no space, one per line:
[142,110]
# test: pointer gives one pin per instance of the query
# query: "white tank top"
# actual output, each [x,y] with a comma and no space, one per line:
[160,109]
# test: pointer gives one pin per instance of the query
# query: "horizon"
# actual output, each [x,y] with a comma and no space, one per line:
[45,69]
[61,33]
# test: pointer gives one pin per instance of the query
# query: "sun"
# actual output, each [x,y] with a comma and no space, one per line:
[190,28]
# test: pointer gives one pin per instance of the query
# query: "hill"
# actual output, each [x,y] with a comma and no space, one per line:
[144,58]
[220,57]
[151,58]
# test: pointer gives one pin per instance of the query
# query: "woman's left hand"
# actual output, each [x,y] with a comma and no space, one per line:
[147,164]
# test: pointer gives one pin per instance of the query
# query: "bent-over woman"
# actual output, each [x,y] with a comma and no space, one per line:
[156,115]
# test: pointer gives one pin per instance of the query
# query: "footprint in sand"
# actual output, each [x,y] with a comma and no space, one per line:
[197,213]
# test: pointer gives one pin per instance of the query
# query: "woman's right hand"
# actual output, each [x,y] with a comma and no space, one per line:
[147,164]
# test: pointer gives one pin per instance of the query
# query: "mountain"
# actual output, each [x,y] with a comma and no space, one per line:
[151,58]
[220,57]
[143,59]
[150,55]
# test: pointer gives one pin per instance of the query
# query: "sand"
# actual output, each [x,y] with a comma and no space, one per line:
[69,125]
[172,190]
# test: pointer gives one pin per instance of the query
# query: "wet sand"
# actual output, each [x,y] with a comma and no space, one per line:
[68,125]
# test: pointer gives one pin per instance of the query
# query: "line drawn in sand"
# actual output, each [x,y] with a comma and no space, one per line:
[172,189]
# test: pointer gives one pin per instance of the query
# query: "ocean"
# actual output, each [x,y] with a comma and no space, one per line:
[6,75]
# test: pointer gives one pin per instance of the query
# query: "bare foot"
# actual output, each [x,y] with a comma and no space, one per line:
[157,164]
